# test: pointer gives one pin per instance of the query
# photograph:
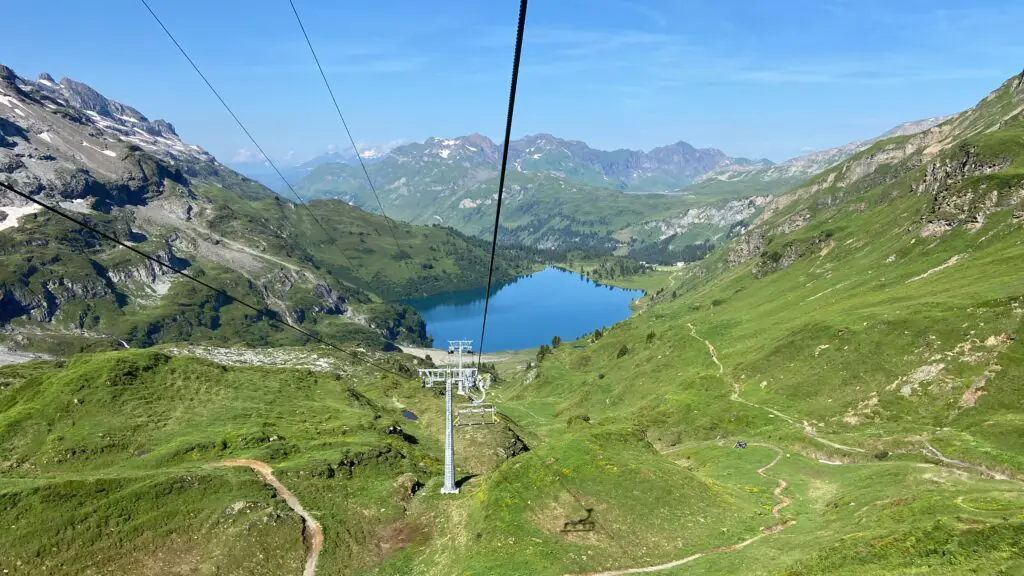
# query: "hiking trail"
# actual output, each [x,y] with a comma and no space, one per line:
[807,428]
[767,531]
[312,533]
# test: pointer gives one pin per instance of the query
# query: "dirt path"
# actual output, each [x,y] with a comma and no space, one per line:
[312,533]
[930,450]
[807,428]
[783,502]
[714,353]
[672,279]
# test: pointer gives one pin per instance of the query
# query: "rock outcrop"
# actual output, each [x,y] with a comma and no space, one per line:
[956,201]
[747,246]
[721,216]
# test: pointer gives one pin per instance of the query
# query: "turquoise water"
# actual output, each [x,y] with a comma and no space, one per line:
[526,312]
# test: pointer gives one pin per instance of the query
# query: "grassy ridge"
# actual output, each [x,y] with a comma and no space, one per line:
[106,461]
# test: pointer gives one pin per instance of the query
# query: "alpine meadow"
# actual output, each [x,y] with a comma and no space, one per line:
[241,367]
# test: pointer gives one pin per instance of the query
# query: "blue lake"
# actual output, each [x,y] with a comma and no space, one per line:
[526,312]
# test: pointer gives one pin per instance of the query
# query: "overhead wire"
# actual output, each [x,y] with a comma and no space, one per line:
[341,116]
[250,136]
[504,168]
[270,315]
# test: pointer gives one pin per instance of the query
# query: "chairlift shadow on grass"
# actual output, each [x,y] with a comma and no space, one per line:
[585,524]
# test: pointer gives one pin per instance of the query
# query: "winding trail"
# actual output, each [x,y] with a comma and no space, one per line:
[767,531]
[930,450]
[312,533]
[807,428]
[783,501]
[672,278]
[714,354]
[809,431]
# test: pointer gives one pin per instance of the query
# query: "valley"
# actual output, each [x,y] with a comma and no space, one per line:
[835,387]
[64,290]
[564,194]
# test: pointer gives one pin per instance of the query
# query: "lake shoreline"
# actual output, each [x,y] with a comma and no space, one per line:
[527,312]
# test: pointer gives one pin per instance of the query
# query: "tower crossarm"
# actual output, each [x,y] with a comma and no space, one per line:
[431,376]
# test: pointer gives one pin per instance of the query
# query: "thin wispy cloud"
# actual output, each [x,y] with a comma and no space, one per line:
[754,78]
[246,156]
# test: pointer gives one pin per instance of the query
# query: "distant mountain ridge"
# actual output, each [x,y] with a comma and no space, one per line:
[564,193]
[67,145]
[441,167]
[660,169]
[810,164]
[264,173]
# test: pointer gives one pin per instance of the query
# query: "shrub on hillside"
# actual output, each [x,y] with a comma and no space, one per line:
[543,351]
[578,419]
[622,351]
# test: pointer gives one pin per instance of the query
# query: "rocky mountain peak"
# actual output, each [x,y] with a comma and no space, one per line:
[68,139]
[680,145]
[7,75]
[478,139]
[81,95]
[85,97]
[1018,84]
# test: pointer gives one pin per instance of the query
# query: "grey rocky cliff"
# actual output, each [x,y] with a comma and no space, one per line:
[955,202]
[721,215]
[747,246]
[67,140]
[147,271]
[42,302]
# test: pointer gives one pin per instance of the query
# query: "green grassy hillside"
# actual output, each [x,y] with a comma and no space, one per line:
[862,338]
[107,459]
[64,287]
[881,356]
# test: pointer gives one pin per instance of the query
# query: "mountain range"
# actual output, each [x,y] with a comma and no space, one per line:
[329,266]
[662,169]
[810,164]
[563,193]
[264,173]
[838,389]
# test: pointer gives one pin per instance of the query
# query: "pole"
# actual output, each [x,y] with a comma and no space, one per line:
[449,442]
[459,360]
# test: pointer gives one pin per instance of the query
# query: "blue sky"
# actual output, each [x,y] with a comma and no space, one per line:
[756,79]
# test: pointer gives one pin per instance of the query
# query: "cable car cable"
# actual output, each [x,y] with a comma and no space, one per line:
[270,315]
[504,167]
[341,116]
